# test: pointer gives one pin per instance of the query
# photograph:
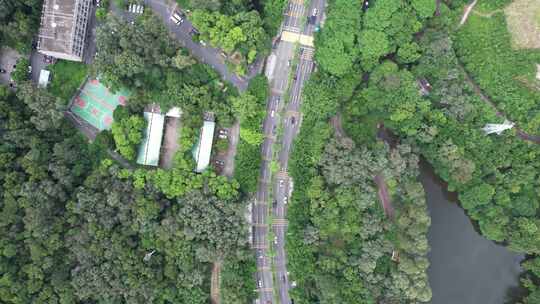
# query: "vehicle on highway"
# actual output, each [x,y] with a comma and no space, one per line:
[177,18]
[285,200]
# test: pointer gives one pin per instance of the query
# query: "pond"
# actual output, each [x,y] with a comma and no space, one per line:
[466,268]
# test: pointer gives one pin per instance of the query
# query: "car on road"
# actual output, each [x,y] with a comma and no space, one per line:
[202,43]
[315,12]
[259,283]
[281,182]
[275,239]
[293,120]
[177,18]
[272,113]
[288,63]
[285,200]
[274,130]
[2,71]
[274,204]
[193,31]
[219,163]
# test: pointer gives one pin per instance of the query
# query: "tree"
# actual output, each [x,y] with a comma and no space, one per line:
[127,134]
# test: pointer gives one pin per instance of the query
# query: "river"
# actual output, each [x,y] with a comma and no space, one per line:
[465,267]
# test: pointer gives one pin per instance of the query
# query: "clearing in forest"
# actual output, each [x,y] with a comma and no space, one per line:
[523,20]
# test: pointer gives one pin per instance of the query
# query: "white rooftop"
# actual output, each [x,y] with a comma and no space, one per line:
[204,148]
[150,147]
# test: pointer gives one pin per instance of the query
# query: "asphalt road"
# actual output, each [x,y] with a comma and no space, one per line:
[282,189]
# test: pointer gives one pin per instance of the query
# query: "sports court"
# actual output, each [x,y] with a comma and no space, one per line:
[95,104]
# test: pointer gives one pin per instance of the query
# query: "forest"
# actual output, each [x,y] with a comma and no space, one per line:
[371,74]
[241,28]
[80,228]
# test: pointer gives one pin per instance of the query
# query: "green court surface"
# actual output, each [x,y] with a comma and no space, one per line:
[95,104]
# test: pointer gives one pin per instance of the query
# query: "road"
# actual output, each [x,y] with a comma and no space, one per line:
[282,185]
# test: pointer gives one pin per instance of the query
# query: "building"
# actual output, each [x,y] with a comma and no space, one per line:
[63,28]
[204,146]
[150,147]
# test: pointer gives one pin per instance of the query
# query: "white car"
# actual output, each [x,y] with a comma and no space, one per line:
[272,113]
[285,200]
[275,239]
[176,18]
[259,283]
[315,11]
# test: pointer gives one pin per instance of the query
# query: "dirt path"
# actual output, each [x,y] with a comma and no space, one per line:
[234,133]
[335,121]
[384,196]
[214,288]
[170,142]
[488,15]
[521,134]
[468,9]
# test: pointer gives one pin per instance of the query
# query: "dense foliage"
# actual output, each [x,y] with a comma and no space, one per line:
[505,74]
[251,109]
[19,22]
[66,78]
[76,228]
[143,58]
[343,242]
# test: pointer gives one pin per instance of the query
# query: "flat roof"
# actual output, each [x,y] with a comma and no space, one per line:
[150,147]
[63,26]
[205,145]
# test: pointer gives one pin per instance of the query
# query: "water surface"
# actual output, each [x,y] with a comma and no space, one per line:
[465,267]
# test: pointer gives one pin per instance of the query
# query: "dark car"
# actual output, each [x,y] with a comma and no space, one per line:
[293,120]
[2,71]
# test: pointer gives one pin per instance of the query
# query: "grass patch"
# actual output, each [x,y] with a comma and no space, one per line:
[523,18]
[67,76]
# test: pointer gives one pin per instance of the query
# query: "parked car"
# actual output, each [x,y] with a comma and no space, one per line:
[177,18]
[272,113]
[223,133]
[2,71]
[285,200]
[293,120]
[219,162]
[259,283]
[275,239]
[48,59]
